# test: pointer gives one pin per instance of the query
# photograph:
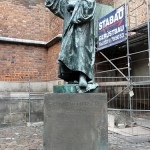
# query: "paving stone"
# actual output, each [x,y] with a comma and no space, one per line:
[26,138]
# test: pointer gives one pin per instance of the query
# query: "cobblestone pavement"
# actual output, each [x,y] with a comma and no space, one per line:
[120,142]
[30,138]
[21,138]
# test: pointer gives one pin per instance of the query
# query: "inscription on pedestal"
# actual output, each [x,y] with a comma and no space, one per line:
[75,122]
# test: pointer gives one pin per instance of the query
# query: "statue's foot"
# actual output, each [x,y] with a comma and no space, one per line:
[82,81]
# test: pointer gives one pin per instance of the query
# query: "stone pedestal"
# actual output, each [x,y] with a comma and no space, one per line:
[75,122]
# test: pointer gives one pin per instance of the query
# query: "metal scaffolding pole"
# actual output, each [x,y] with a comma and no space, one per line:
[148,30]
[128,53]
[128,60]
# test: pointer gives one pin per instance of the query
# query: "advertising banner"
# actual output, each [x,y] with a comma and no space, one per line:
[112,28]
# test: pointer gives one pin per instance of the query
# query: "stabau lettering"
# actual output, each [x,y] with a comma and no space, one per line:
[112,19]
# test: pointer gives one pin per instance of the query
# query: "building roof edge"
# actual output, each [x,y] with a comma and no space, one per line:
[21,41]
[55,40]
[31,42]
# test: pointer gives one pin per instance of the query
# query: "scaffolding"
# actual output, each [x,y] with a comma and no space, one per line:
[123,71]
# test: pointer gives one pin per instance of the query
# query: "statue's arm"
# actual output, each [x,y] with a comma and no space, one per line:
[84,11]
[56,6]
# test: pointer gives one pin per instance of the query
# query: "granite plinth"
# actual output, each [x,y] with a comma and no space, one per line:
[75,122]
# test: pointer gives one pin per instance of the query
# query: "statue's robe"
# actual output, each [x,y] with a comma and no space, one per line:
[77,52]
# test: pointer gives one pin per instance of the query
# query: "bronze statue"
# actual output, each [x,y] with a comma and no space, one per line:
[77,55]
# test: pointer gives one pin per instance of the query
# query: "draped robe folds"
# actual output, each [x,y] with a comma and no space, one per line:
[77,52]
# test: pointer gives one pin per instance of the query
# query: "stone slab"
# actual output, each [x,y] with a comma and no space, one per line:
[75,122]
[111,121]
[23,86]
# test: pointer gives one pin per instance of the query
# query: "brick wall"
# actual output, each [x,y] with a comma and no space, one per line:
[21,63]
[52,61]
[106,2]
[28,19]
[137,11]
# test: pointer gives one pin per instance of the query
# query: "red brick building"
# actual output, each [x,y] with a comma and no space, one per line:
[25,20]
[28,33]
